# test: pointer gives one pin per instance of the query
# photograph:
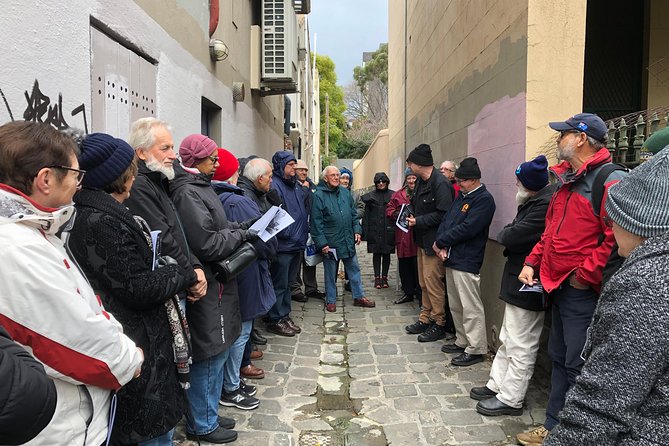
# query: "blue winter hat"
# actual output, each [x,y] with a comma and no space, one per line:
[104,158]
[533,174]
[591,125]
[408,172]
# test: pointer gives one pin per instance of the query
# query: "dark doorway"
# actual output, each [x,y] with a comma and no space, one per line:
[615,53]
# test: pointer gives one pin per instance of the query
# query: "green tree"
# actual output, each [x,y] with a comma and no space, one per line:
[372,82]
[328,85]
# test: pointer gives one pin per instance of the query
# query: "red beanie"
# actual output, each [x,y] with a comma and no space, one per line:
[227,165]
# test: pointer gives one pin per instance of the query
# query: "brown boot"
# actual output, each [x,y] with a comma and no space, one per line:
[251,372]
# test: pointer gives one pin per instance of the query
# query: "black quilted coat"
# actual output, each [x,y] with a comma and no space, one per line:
[113,252]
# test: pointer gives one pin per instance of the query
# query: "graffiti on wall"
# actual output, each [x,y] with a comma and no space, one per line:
[41,108]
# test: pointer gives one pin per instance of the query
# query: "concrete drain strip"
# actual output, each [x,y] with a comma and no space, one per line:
[333,401]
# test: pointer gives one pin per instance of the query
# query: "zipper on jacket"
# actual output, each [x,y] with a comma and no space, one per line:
[564,213]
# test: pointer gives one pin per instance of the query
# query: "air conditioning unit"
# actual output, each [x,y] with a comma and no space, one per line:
[279,66]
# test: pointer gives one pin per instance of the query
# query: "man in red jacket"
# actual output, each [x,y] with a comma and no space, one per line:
[571,255]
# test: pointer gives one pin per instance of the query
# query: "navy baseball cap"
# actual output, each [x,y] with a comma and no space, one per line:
[591,125]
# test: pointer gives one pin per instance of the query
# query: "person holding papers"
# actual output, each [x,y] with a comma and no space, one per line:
[524,312]
[113,249]
[406,246]
[335,227]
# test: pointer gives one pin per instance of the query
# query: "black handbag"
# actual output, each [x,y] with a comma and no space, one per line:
[228,268]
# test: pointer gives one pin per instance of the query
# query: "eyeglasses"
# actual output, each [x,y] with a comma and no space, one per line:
[80,173]
[566,132]
[462,180]
[443,169]
[608,221]
[213,159]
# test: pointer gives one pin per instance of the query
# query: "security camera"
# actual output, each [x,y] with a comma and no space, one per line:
[218,50]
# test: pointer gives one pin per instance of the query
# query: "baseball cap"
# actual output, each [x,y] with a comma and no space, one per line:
[591,125]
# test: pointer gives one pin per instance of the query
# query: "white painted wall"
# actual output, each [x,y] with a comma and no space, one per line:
[50,42]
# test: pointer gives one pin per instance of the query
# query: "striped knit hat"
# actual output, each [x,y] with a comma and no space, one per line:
[639,203]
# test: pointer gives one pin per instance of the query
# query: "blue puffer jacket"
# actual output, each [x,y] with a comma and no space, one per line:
[294,198]
[256,293]
[464,229]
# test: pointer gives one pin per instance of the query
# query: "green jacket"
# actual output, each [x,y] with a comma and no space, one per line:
[334,220]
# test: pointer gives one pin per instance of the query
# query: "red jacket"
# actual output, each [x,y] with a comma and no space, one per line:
[575,239]
[406,247]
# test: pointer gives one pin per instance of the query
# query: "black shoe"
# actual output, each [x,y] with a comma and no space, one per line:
[417,327]
[281,328]
[465,359]
[257,338]
[226,423]
[316,294]
[299,298]
[247,389]
[481,393]
[219,436]
[493,407]
[452,348]
[404,299]
[238,399]
[347,285]
[434,333]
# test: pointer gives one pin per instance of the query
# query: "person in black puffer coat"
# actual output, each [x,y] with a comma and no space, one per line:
[215,319]
[28,395]
[377,229]
[113,251]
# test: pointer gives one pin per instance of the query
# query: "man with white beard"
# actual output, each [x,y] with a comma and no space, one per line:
[574,249]
[149,197]
[524,311]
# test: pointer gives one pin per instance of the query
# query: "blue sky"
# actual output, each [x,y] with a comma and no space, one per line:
[347,28]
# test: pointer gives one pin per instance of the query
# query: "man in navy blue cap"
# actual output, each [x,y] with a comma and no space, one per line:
[571,255]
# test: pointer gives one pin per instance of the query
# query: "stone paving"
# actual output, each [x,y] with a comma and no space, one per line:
[355,377]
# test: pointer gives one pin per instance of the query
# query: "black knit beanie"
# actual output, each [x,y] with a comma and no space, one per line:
[421,155]
[469,169]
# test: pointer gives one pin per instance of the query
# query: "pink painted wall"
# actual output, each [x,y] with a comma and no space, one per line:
[496,139]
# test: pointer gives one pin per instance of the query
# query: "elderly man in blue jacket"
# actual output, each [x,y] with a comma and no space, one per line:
[292,242]
[460,242]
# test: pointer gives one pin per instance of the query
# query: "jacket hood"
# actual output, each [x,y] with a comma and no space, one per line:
[381,176]
[322,185]
[183,177]
[344,170]
[279,161]
[17,207]
[222,187]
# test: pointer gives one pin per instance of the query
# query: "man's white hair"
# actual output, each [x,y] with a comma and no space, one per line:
[255,168]
[328,168]
[141,134]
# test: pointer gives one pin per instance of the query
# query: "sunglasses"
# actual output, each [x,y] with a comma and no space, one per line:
[566,132]
[80,173]
[380,181]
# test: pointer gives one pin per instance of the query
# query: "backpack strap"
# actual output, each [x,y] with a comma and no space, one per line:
[600,180]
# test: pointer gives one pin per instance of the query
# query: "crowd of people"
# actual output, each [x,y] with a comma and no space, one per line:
[119,315]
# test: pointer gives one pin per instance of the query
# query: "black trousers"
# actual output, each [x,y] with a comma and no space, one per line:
[408,270]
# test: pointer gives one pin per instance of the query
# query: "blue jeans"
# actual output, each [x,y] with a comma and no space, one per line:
[206,383]
[163,440]
[571,316]
[234,361]
[353,270]
[283,269]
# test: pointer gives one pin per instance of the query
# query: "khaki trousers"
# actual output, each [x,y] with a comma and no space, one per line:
[513,366]
[464,299]
[431,280]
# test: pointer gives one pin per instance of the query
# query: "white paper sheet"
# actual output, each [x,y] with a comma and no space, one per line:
[273,222]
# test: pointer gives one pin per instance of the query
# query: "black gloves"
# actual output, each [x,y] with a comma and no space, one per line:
[248,223]
[166,261]
[251,235]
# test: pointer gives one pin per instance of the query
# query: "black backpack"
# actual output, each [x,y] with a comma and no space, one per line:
[615,260]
